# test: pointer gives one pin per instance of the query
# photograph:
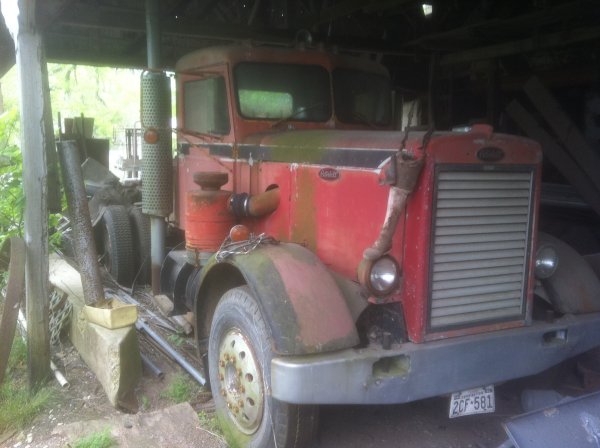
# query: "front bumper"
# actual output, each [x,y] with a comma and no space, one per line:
[409,372]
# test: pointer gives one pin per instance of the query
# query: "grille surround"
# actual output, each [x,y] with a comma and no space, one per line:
[476,214]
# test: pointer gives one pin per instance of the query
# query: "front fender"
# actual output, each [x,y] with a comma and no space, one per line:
[304,306]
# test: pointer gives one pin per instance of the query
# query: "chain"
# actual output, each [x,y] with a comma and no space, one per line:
[60,312]
[229,247]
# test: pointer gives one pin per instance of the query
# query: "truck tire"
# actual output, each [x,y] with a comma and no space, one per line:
[239,354]
[117,246]
[140,233]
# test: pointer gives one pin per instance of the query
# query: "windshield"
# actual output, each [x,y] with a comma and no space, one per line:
[282,91]
[361,97]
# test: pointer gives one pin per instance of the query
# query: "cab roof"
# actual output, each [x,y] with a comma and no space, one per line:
[232,55]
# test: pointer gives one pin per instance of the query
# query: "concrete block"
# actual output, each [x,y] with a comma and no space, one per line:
[113,355]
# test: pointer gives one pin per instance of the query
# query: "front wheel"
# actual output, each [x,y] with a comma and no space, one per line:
[240,353]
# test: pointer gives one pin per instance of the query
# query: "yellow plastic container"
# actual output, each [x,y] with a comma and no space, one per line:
[116,315]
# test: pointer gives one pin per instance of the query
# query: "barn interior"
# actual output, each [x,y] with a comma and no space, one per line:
[463,62]
[529,67]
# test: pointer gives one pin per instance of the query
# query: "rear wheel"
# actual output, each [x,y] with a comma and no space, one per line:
[240,353]
[116,244]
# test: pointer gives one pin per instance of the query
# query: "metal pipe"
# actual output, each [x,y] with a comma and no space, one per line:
[83,240]
[143,326]
[153,32]
[150,314]
[157,223]
[153,368]
[243,205]
[158,230]
[57,373]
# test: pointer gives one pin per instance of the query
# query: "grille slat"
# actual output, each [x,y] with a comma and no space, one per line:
[482,185]
[477,273]
[459,194]
[475,290]
[474,202]
[492,297]
[476,264]
[483,247]
[484,280]
[467,211]
[484,175]
[467,256]
[480,240]
[481,316]
[480,220]
[484,229]
[474,307]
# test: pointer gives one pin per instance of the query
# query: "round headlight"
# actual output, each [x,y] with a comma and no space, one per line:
[383,277]
[546,261]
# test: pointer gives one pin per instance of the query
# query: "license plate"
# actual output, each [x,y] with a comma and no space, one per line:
[473,401]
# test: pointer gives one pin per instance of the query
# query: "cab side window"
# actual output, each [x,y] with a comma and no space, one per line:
[205,106]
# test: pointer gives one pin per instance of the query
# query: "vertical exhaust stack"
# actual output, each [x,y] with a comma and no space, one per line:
[157,164]
[157,173]
[157,168]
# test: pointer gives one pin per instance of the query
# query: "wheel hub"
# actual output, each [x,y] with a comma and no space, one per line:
[240,381]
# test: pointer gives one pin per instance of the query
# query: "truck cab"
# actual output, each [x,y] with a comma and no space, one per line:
[375,266]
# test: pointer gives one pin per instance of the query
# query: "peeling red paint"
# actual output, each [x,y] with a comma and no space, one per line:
[315,303]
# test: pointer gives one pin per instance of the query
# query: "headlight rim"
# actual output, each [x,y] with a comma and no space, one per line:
[364,275]
[539,274]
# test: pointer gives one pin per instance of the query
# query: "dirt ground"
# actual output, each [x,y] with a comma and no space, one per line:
[83,408]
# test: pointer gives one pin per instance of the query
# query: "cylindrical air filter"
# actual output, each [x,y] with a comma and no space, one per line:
[157,163]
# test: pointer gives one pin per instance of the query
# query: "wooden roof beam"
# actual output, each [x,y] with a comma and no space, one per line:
[523,46]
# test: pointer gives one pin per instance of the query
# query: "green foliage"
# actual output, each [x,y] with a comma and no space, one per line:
[180,389]
[109,95]
[209,422]
[11,192]
[145,403]
[176,340]
[18,354]
[100,439]
[17,405]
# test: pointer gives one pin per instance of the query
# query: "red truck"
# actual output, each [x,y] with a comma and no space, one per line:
[373,265]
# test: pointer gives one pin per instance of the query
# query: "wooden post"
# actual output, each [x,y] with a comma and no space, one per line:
[19,16]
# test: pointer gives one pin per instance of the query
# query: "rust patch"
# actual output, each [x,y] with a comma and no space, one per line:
[320,309]
[303,203]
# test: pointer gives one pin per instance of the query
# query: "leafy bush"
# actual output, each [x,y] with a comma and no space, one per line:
[11,171]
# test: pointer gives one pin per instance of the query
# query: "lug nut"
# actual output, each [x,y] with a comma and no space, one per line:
[221,377]
[223,392]
[241,403]
[222,363]
[243,389]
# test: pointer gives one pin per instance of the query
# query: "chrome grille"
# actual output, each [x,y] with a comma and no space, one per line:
[480,242]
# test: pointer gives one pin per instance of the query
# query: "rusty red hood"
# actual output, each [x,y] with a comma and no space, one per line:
[333,139]
[361,148]
[349,148]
